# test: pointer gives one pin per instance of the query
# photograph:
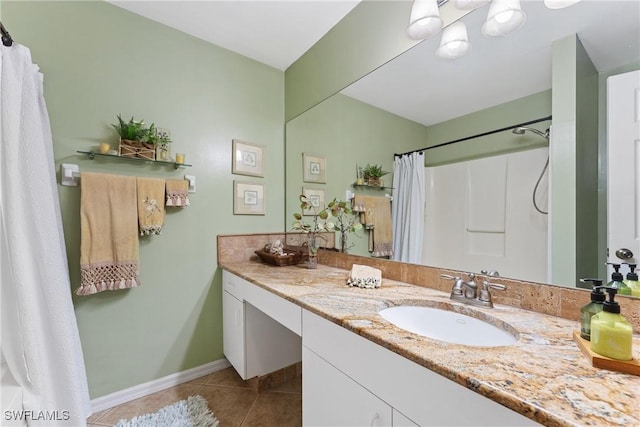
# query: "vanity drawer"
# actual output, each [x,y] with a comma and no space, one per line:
[234,285]
[281,310]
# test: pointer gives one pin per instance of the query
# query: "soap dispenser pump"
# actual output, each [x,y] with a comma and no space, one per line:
[617,280]
[632,280]
[611,334]
[594,307]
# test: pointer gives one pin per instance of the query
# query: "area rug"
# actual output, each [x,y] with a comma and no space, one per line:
[192,412]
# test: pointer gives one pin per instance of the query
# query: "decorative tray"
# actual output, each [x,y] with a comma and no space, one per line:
[291,256]
[628,367]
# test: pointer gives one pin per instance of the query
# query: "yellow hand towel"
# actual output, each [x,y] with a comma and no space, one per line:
[375,214]
[177,192]
[382,229]
[150,206]
[109,233]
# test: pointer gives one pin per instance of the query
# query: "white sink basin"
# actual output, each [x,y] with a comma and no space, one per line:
[447,326]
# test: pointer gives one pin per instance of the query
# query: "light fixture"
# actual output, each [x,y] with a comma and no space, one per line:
[559,4]
[505,16]
[425,19]
[469,4]
[455,42]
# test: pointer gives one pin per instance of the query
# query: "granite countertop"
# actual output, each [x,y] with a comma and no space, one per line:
[544,376]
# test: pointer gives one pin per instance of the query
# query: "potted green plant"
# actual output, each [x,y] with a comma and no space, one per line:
[373,173]
[137,139]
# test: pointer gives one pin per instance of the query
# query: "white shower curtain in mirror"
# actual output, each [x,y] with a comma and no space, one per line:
[407,209]
[40,340]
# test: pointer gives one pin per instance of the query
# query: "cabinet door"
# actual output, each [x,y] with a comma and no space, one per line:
[400,420]
[330,398]
[233,332]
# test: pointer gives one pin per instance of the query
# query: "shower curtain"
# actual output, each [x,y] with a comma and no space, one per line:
[40,340]
[407,210]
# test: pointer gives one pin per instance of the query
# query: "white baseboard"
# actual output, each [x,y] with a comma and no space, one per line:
[144,389]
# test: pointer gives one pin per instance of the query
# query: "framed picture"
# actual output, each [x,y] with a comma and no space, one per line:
[316,198]
[248,159]
[248,198]
[315,168]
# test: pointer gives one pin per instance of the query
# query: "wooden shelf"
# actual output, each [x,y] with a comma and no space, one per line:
[93,154]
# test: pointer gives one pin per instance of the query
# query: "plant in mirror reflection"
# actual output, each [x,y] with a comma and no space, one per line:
[346,220]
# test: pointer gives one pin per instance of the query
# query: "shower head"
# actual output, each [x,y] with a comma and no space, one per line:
[521,130]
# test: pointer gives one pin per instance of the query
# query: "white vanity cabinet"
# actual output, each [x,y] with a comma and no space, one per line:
[330,398]
[261,331]
[387,383]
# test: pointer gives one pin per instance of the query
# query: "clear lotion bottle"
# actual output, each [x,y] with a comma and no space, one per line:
[632,280]
[611,334]
[617,280]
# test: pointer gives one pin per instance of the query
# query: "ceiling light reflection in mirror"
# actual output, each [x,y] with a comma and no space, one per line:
[504,17]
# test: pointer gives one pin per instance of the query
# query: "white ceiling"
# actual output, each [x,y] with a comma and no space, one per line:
[416,85]
[421,87]
[275,33]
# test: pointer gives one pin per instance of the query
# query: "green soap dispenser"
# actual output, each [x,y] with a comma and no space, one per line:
[632,280]
[617,280]
[611,334]
[594,307]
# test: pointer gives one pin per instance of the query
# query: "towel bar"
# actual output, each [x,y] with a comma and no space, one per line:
[70,176]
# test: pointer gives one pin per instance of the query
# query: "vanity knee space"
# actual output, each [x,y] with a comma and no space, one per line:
[261,331]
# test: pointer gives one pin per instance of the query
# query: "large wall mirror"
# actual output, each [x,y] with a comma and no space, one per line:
[419,100]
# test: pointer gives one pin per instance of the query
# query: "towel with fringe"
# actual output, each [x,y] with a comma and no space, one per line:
[150,206]
[109,233]
[375,215]
[177,192]
[363,276]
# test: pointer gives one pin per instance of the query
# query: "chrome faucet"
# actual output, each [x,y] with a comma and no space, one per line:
[469,287]
[466,291]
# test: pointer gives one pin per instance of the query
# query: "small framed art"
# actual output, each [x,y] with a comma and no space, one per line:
[248,159]
[248,198]
[315,168]
[315,198]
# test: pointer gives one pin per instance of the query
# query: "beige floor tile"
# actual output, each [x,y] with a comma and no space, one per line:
[233,401]
[230,378]
[149,404]
[94,418]
[293,385]
[273,409]
[230,405]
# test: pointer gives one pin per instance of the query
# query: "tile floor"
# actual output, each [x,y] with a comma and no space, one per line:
[236,403]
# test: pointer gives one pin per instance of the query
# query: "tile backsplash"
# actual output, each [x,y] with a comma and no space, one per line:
[543,298]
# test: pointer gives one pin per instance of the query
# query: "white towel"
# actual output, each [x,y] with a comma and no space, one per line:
[363,276]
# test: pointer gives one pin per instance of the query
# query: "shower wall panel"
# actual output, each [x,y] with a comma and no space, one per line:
[479,216]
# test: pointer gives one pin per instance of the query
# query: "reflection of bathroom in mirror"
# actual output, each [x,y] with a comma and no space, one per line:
[479,211]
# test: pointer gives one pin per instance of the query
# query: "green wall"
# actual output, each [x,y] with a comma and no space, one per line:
[521,110]
[346,132]
[99,60]
[574,162]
